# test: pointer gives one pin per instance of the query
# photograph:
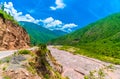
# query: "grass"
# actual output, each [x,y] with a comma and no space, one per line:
[24,52]
[6,16]
[89,53]
[0,62]
[70,49]
[31,68]
[5,60]
[100,74]
[6,77]
[4,68]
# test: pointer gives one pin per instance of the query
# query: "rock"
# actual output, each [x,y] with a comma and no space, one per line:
[26,74]
[21,74]
[17,59]
[12,36]
[16,72]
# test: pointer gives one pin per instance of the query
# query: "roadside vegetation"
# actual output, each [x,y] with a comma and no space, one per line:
[101,73]
[42,66]
[82,50]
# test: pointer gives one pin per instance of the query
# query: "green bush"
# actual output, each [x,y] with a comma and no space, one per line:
[6,77]
[6,16]
[24,52]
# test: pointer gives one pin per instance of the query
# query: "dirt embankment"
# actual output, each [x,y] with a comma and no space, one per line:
[12,36]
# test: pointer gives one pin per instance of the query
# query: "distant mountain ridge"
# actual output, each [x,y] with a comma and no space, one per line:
[39,34]
[99,30]
[59,32]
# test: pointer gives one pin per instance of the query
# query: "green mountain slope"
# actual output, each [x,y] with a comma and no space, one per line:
[37,33]
[59,32]
[101,29]
[100,39]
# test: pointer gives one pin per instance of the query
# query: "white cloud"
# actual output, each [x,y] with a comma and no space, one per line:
[71,25]
[59,5]
[50,22]
[53,24]
[18,15]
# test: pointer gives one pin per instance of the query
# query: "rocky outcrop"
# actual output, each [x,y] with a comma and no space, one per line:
[12,36]
[21,74]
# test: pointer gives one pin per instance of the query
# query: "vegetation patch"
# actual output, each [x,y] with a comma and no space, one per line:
[96,74]
[42,66]
[87,52]
[24,52]
[6,77]
[6,16]
[100,74]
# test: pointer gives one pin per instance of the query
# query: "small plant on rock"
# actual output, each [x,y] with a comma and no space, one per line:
[24,52]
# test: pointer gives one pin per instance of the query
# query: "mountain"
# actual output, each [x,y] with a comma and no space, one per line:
[38,33]
[99,38]
[12,36]
[59,32]
[97,31]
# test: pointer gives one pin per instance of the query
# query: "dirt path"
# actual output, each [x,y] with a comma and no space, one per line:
[76,66]
[6,53]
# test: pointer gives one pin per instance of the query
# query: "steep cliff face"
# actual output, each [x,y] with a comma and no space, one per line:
[12,36]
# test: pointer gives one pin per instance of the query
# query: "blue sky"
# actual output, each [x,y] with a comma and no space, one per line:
[65,15]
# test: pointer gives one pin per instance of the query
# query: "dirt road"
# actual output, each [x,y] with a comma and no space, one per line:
[6,53]
[76,66]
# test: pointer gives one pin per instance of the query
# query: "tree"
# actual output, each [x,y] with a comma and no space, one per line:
[3,7]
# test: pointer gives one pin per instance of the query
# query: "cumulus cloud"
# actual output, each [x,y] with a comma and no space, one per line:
[50,22]
[71,25]
[54,24]
[9,8]
[59,5]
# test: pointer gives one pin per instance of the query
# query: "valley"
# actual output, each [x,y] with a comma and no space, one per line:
[97,40]
[39,34]
[49,48]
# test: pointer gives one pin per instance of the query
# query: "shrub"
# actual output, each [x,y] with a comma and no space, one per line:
[4,68]
[6,77]
[6,16]
[24,52]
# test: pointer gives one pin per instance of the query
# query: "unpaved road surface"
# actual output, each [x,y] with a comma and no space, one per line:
[6,53]
[76,66]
